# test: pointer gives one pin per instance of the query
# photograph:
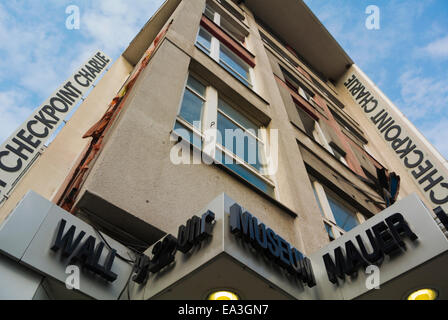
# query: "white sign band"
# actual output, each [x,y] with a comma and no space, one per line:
[19,150]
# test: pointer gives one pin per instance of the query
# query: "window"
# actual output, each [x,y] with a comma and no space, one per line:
[344,124]
[329,230]
[298,87]
[338,153]
[345,217]
[240,127]
[224,23]
[338,216]
[193,102]
[277,49]
[328,94]
[232,10]
[264,28]
[222,53]
[232,63]
[224,56]
[235,141]
[191,112]
[209,12]
[339,156]
[205,41]
[314,131]
[312,128]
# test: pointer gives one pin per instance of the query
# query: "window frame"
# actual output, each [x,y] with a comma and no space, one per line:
[215,54]
[240,77]
[322,193]
[206,50]
[217,18]
[317,135]
[257,137]
[209,116]
[218,48]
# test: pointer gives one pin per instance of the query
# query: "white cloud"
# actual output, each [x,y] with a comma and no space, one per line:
[437,48]
[422,96]
[112,24]
[424,100]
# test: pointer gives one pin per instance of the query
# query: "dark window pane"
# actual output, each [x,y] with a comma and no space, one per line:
[191,109]
[345,218]
[237,116]
[242,144]
[329,231]
[209,12]
[309,123]
[204,40]
[231,30]
[196,86]
[234,65]
[188,135]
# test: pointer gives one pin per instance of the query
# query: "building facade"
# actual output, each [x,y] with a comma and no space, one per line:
[248,114]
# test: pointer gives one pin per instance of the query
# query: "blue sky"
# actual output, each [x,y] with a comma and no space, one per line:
[407,57]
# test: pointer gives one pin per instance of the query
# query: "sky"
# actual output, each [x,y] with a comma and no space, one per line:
[407,57]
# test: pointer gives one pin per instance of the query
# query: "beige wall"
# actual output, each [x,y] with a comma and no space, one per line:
[51,169]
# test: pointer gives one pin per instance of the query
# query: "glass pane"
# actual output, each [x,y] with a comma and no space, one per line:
[245,146]
[205,40]
[244,173]
[227,27]
[304,95]
[237,116]
[188,135]
[196,86]
[209,12]
[234,65]
[308,122]
[191,109]
[345,219]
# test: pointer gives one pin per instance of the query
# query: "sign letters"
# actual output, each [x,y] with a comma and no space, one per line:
[87,254]
[21,148]
[274,247]
[423,169]
[191,234]
[385,238]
